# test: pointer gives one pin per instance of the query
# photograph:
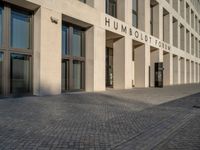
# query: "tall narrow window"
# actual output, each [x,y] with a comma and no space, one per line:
[20,74]
[77,42]
[20,25]
[77,75]
[135,13]
[1,25]
[1,72]
[73,59]
[65,40]
[111,7]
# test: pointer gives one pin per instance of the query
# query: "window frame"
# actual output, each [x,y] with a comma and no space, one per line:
[7,50]
[69,57]
[135,12]
[108,6]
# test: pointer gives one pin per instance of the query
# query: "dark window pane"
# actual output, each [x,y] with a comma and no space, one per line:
[20,74]
[65,75]
[65,38]
[134,19]
[109,67]
[20,30]
[134,5]
[77,42]
[111,7]
[77,75]
[1,25]
[1,70]
[84,1]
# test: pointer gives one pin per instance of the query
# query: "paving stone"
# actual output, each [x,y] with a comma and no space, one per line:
[124,119]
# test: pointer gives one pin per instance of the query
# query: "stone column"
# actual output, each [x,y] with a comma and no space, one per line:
[100,5]
[122,63]
[95,59]
[188,71]
[176,70]
[166,28]
[124,11]
[168,69]
[158,21]
[144,15]
[47,52]
[185,71]
[142,64]
[182,71]
[192,72]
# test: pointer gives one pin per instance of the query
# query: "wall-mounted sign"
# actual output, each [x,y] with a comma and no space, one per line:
[120,27]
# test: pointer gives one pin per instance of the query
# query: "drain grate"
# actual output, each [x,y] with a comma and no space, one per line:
[196,106]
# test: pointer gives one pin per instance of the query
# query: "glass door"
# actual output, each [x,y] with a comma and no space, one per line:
[65,75]
[1,73]
[20,74]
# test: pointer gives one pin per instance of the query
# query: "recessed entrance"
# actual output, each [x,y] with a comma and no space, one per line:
[109,67]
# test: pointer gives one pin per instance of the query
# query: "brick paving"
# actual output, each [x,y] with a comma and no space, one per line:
[145,119]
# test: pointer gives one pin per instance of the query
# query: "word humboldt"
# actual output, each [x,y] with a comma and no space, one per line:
[136,34]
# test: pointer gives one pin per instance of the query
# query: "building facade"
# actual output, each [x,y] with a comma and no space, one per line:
[52,46]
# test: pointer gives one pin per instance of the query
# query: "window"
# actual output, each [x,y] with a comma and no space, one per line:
[1,24]
[84,1]
[77,74]
[1,73]
[20,25]
[20,73]
[65,34]
[65,75]
[77,42]
[17,77]
[135,13]
[73,60]
[111,7]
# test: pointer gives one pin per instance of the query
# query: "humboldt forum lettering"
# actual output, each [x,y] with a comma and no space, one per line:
[135,33]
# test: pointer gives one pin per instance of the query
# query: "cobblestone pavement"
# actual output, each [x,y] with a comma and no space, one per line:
[159,119]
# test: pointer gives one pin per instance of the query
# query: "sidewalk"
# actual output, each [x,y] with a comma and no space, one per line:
[124,119]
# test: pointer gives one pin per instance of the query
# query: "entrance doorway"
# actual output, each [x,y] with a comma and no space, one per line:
[109,67]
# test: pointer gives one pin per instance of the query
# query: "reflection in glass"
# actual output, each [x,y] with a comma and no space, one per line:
[20,74]
[111,7]
[65,75]
[77,75]
[134,19]
[20,30]
[1,70]
[77,42]
[134,5]
[1,25]
[65,38]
